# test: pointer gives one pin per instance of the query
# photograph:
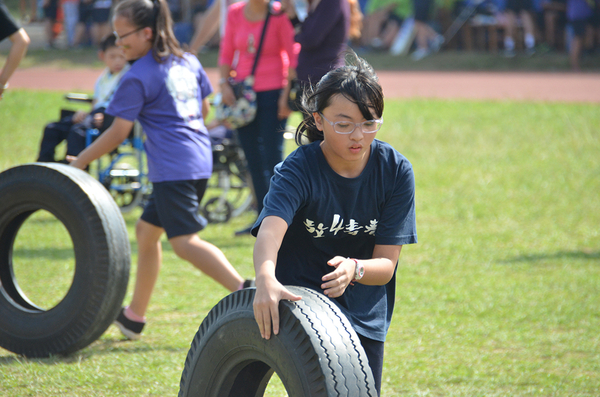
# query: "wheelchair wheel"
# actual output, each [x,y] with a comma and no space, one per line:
[228,193]
[217,210]
[125,186]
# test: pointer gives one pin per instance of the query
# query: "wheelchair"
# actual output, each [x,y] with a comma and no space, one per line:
[124,173]
[228,192]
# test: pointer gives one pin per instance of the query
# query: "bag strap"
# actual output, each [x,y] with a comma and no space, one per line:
[262,39]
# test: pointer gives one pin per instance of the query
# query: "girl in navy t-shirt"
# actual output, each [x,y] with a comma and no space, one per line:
[166,91]
[338,211]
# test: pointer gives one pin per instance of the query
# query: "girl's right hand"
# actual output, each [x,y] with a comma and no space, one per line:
[269,292]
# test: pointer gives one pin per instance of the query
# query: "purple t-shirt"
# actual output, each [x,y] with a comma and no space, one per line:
[166,98]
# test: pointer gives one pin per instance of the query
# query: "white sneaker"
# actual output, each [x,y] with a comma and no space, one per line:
[419,54]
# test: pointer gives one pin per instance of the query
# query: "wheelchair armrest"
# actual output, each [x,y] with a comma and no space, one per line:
[66,113]
[75,97]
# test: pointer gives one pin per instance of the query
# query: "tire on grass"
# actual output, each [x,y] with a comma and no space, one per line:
[316,353]
[101,252]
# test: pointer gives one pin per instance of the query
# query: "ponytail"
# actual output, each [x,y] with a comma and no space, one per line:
[156,15]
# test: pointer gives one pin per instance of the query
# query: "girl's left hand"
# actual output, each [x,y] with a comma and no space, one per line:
[336,282]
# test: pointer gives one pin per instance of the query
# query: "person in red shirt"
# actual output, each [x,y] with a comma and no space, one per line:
[262,139]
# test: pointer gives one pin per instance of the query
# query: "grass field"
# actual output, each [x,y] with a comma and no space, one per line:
[500,297]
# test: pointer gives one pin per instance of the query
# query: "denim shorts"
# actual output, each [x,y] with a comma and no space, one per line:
[174,206]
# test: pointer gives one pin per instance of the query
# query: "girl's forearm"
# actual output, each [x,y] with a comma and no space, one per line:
[380,269]
[106,142]
[269,238]
[264,260]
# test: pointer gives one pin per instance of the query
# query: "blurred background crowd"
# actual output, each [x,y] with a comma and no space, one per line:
[403,27]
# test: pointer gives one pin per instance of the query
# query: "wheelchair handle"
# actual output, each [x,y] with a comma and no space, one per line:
[75,97]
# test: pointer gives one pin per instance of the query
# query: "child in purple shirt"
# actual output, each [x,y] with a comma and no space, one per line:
[166,91]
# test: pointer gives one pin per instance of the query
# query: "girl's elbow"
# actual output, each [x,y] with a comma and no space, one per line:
[388,273]
[22,38]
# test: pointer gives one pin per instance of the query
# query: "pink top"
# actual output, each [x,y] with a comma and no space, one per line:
[279,51]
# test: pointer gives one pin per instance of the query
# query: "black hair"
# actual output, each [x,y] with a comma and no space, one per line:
[156,15]
[108,42]
[356,81]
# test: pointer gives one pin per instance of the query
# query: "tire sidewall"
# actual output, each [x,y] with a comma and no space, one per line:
[316,353]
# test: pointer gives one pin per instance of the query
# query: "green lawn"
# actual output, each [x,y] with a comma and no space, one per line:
[500,297]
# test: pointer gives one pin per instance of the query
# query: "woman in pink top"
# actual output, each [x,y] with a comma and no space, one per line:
[262,140]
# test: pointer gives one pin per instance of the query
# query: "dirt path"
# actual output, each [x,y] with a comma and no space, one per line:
[555,87]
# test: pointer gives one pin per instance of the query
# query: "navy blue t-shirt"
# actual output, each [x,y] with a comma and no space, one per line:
[329,215]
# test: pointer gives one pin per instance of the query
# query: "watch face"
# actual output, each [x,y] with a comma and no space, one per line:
[360,271]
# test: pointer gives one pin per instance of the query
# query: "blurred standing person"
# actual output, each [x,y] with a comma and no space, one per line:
[554,17]
[323,31]
[381,24]
[579,16]
[262,139]
[427,39]
[25,17]
[20,42]
[523,9]
[71,14]
[93,15]
[84,22]
[213,20]
[50,16]
[100,20]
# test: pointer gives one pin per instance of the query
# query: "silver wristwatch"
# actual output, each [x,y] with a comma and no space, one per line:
[359,271]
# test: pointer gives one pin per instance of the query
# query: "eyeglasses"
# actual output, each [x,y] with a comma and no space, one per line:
[127,34]
[348,127]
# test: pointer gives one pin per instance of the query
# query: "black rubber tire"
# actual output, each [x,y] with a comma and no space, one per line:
[101,251]
[317,353]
